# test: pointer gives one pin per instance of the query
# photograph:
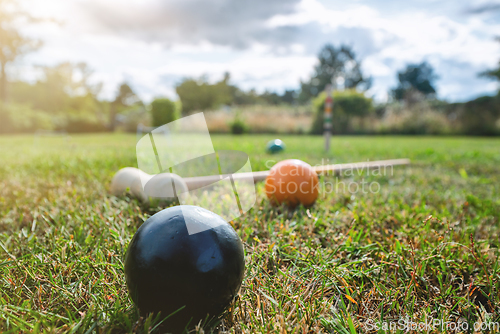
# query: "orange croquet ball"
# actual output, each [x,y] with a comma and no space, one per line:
[292,182]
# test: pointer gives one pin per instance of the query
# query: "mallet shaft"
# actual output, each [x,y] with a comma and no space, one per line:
[201,181]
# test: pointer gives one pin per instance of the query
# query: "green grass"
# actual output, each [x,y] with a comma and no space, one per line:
[424,247]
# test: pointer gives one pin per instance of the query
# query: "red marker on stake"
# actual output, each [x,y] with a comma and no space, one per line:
[327,124]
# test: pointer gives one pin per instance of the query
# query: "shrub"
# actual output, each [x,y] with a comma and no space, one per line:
[21,118]
[163,111]
[132,117]
[238,126]
[479,117]
[346,105]
[83,123]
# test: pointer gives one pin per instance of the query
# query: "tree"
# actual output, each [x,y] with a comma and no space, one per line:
[271,98]
[12,43]
[494,73]
[335,63]
[201,95]
[125,98]
[289,96]
[415,78]
[63,88]
[195,95]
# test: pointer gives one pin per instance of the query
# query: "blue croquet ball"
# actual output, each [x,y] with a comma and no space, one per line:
[168,270]
[275,146]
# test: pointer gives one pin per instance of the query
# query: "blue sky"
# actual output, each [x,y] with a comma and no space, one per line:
[266,44]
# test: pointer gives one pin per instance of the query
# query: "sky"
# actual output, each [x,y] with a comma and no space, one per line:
[265,44]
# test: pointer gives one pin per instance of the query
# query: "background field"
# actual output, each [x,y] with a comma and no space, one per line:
[425,246]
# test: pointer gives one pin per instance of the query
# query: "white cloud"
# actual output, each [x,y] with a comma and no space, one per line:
[411,37]
[265,49]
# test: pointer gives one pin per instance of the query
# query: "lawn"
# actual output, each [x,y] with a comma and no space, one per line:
[420,246]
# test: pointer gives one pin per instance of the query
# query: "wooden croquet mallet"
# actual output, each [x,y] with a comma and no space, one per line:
[201,181]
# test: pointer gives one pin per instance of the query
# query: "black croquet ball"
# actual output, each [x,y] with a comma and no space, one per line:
[198,274]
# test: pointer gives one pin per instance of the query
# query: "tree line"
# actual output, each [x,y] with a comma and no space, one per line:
[64,97]
[337,66]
